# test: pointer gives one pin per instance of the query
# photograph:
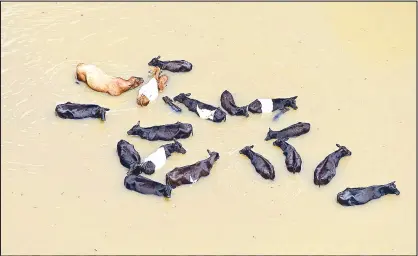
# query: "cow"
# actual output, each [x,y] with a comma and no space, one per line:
[146,186]
[326,169]
[128,156]
[99,81]
[149,92]
[270,105]
[228,103]
[293,130]
[202,110]
[175,66]
[363,195]
[261,164]
[157,160]
[191,173]
[167,132]
[71,110]
[293,160]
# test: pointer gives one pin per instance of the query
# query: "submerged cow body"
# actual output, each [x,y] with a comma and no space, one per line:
[71,110]
[363,195]
[260,163]
[326,169]
[294,130]
[146,186]
[171,65]
[191,173]
[228,103]
[165,132]
[293,160]
[128,156]
[270,105]
[201,109]
[157,160]
[170,102]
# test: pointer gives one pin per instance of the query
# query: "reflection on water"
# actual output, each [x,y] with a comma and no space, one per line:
[62,183]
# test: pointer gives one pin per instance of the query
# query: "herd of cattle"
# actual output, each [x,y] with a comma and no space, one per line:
[96,79]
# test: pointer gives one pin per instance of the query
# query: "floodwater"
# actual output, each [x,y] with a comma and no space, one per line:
[352,66]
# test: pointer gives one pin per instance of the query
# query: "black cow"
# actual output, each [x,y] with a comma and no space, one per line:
[326,169]
[293,160]
[157,160]
[362,195]
[128,156]
[165,132]
[170,102]
[146,186]
[201,109]
[228,103]
[171,65]
[261,164]
[271,105]
[80,111]
[294,130]
[191,173]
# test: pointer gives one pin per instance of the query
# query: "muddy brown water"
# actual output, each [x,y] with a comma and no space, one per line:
[61,181]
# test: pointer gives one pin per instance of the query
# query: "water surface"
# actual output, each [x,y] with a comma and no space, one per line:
[352,66]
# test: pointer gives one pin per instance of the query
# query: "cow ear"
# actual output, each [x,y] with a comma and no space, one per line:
[338,145]
[251,146]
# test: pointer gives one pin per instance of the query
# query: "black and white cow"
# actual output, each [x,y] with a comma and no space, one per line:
[270,105]
[202,110]
[191,173]
[157,160]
